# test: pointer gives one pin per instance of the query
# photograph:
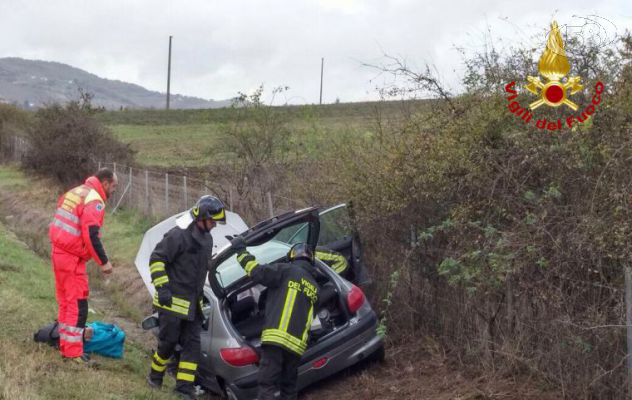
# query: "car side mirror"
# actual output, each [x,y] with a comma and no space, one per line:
[150,322]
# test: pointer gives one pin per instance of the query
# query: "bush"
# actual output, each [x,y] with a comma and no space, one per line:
[521,236]
[13,122]
[67,142]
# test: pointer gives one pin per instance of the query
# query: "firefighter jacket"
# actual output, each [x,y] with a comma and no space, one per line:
[180,261]
[333,259]
[76,224]
[292,294]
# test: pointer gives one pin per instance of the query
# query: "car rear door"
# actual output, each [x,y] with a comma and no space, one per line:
[338,233]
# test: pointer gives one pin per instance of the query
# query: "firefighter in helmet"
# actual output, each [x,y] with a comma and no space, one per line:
[178,267]
[292,295]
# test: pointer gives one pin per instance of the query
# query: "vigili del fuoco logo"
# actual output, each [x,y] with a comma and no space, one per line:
[555,90]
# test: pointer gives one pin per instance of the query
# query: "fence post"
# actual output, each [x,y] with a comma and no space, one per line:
[99,167]
[186,195]
[206,191]
[131,186]
[147,208]
[270,206]
[230,198]
[167,194]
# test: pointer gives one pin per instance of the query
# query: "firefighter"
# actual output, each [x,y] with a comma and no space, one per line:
[75,238]
[292,294]
[178,267]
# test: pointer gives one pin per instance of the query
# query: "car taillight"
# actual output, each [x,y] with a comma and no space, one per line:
[355,299]
[239,356]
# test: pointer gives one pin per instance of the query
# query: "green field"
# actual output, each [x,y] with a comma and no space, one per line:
[193,138]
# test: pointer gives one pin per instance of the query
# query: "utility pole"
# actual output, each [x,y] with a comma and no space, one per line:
[322,66]
[169,73]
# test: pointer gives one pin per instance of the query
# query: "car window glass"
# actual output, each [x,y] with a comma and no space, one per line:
[335,225]
[293,234]
[229,271]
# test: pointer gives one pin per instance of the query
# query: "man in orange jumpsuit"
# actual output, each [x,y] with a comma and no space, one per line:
[75,238]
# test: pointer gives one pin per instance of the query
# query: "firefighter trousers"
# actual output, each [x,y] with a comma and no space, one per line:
[278,370]
[173,331]
[71,292]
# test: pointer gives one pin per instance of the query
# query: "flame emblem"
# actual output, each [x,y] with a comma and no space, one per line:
[554,66]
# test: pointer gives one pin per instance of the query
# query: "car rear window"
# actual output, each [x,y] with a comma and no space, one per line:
[229,271]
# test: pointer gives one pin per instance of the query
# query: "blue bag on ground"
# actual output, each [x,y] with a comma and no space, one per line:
[107,340]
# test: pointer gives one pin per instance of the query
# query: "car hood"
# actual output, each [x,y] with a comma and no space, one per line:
[234,226]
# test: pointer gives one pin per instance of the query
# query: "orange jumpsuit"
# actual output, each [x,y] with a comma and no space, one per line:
[75,238]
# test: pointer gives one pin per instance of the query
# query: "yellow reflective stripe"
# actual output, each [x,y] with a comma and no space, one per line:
[183,376]
[159,359]
[219,216]
[177,305]
[181,302]
[72,197]
[93,195]
[290,299]
[284,339]
[161,280]
[242,256]
[339,261]
[156,367]
[159,268]
[156,266]
[250,266]
[187,365]
[310,316]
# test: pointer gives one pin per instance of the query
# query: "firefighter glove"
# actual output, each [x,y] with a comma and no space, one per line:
[238,243]
[164,296]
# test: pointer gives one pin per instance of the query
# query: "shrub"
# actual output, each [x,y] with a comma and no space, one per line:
[521,236]
[67,142]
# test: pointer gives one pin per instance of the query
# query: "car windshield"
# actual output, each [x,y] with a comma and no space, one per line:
[229,271]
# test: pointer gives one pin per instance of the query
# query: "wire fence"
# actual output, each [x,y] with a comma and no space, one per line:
[13,148]
[161,194]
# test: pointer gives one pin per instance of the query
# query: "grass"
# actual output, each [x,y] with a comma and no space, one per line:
[12,178]
[194,138]
[36,371]
[122,234]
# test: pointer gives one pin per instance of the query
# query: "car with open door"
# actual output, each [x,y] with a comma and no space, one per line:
[343,330]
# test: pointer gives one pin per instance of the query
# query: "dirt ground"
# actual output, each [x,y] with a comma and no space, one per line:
[416,370]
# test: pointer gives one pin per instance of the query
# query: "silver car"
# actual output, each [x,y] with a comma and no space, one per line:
[344,328]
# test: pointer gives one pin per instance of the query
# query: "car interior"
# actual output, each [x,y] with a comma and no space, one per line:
[246,309]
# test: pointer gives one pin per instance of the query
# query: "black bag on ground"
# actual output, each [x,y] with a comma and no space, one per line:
[48,334]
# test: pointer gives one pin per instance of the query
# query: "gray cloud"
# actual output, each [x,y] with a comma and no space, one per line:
[224,47]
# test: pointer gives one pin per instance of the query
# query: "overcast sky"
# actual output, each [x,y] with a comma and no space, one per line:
[222,47]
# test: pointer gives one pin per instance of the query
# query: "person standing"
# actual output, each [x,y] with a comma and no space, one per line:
[292,295]
[178,267]
[76,238]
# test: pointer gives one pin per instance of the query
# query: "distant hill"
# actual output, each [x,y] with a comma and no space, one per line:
[32,83]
